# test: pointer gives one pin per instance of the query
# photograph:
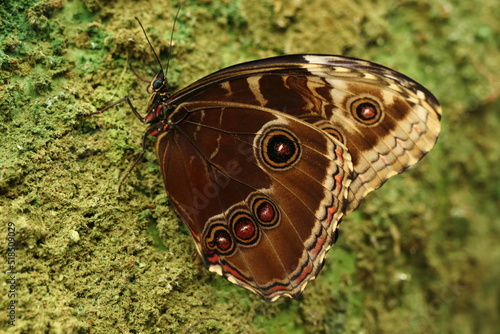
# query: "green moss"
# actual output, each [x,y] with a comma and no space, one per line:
[420,254]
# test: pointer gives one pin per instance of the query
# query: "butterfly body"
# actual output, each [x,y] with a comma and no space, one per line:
[262,160]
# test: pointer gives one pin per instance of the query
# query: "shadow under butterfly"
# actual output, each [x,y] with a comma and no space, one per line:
[262,160]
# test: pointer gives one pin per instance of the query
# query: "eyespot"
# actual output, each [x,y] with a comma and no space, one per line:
[266,212]
[366,111]
[219,239]
[280,149]
[244,228]
[335,134]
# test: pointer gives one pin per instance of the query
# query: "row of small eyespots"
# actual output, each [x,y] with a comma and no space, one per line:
[244,228]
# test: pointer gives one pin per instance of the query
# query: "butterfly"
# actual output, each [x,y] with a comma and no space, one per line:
[262,160]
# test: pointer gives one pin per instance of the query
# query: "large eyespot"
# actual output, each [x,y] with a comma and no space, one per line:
[266,212]
[366,111]
[280,149]
[219,239]
[244,228]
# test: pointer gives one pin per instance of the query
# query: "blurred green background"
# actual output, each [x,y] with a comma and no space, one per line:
[420,255]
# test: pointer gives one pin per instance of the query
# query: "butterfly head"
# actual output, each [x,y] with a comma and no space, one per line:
[158,83]
[156,109]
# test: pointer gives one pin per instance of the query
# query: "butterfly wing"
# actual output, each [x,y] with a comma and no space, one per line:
[262,160]
[262,192]
[386,120]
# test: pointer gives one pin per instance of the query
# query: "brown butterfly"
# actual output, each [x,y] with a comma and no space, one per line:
[262,160]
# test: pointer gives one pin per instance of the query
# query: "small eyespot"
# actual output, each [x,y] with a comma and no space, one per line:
[219,239]
[266,212]
[244,228]
[335,134]
[366,111]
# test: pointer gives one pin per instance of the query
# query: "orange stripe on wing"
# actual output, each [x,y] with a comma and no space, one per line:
[307,270]
[235,273]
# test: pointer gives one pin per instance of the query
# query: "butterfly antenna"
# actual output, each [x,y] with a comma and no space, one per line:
[172,36]
[150,45]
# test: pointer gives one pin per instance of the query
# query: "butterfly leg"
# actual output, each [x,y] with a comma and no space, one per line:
[126,98]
